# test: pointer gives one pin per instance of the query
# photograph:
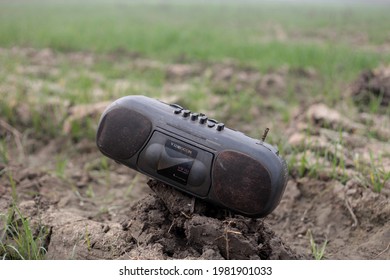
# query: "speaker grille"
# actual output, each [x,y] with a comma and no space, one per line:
[240,182]
[122,133]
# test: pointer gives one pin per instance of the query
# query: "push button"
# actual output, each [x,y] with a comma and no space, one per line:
[220,126]
[186,113]
[211,123]
[203,120]
[194,116]
[177,111]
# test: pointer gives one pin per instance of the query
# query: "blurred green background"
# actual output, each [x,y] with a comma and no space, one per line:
[303,51]
[262,33]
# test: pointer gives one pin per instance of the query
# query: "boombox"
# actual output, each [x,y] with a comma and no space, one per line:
[194,154]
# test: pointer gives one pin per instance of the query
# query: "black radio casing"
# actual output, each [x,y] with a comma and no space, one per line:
[194,154]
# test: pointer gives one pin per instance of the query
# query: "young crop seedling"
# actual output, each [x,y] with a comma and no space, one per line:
[378,177]
[317,251]
[17,240]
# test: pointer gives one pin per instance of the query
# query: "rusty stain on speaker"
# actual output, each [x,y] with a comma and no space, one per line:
[240,182]
[122,133]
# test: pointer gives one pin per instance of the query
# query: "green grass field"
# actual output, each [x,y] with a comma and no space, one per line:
[336,41]
[264,35]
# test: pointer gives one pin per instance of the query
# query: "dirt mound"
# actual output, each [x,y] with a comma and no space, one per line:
[373,84]
[340,189]
[166,224]
[189,228]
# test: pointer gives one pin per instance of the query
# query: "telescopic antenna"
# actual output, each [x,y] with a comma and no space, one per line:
[264,134]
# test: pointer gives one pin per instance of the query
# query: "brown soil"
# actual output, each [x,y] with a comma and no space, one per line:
[95,210]
[336,204]
[165,224]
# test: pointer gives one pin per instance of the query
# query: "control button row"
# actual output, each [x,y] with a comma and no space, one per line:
[203,119]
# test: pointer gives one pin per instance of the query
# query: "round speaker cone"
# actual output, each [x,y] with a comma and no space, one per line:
[122,133]
[240,182]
